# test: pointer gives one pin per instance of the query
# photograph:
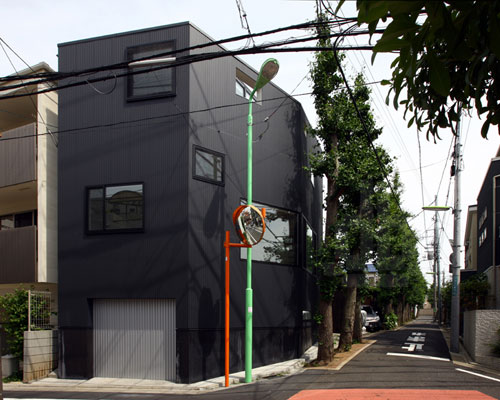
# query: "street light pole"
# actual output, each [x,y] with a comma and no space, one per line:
[268,71]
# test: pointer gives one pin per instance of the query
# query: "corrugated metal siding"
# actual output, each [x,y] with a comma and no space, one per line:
[135,339]
[18,255]
[17,157]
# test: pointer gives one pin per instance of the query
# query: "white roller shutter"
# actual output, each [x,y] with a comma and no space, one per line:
[134,339]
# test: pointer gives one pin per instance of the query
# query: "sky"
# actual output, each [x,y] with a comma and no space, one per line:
[33,29]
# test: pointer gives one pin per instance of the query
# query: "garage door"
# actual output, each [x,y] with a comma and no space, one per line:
[134,339]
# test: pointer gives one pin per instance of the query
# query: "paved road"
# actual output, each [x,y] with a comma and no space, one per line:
[410,363]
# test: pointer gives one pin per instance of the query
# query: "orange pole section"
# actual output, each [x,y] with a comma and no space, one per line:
[226,327]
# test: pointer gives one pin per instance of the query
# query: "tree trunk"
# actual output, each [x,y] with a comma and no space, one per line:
[389,281]
[325,342]
[358,322]
[345,342]
[325,332]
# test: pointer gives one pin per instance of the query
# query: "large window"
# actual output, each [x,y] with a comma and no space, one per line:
[279,244]
[208,165]
[114,208]
[159,82]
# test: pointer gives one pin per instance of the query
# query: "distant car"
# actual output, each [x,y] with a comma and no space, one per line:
[372,319]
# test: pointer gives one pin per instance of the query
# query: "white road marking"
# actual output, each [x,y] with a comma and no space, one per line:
[418,334]
[411,347]
[415,339]
[475,373]
[418,356]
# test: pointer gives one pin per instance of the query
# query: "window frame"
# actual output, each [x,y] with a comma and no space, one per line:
[162,47]
[111,231]
[203,178]
[295,236]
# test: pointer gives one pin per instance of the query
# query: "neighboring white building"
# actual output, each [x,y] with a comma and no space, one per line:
[28,183]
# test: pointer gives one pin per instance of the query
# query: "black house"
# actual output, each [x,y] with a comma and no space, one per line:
[151,167]
[488,231]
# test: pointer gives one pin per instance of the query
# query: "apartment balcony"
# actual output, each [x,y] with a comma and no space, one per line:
[18,156]
[18,255]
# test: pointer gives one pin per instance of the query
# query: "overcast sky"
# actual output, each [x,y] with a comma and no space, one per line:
[34,28]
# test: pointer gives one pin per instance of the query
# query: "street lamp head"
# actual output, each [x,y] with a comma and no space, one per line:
[267,72]
[436,208]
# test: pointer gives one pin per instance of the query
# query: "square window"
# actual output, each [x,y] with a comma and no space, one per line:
[114,208]
[159,82]
[208,165]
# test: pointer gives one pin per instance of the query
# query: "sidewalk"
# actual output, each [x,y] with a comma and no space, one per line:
[462,358]
[116,385]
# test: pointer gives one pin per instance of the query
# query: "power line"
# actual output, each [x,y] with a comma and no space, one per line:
[184,61]
[370,141]
[111,124]
[52,76]
[54,140]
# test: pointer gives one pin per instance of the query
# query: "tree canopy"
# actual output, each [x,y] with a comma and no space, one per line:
[449,58]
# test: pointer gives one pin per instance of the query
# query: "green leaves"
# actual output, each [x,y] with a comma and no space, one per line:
[15,309]
[449,52]
[439,76]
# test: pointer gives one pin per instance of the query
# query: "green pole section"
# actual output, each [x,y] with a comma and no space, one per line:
[267,72]
[249,292]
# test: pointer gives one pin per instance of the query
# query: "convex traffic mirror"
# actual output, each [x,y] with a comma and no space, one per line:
[249,223]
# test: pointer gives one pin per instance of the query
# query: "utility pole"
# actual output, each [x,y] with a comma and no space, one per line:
[455,293]
[437,272]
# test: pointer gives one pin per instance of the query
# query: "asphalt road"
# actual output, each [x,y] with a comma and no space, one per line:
[405,363]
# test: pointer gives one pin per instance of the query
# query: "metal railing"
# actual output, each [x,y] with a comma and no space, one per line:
[39,310]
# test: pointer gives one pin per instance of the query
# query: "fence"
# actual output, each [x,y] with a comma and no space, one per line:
[39,310]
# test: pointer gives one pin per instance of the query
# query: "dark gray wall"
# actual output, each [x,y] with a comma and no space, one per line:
[280,292]
[151,264]
[485,200]
[180,254]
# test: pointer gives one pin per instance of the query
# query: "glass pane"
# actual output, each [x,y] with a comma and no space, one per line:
[124,207]
[24,219]
[208,165]
[240,90]
[7,222]
[310,246]
[279,242]
[95,211]
[154,82]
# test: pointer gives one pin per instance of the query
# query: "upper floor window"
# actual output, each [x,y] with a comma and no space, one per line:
[245,85]
[482,236]
[483,217]
[208,165]
[115,208]
[159,82]
[243,90]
